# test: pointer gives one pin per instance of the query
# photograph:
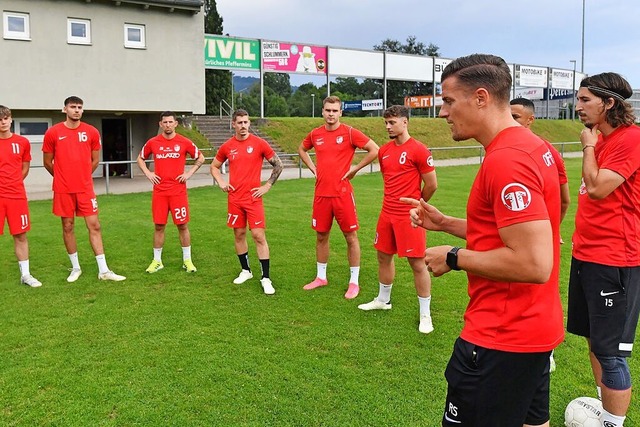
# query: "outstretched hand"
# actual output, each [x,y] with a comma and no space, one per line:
[424,215]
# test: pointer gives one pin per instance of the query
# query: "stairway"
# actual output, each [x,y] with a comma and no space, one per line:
[217,130]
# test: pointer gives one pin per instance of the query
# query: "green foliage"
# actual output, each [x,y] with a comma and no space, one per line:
[217,82]
[178,349]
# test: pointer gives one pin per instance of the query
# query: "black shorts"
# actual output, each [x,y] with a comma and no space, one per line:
[488,388]
[604,303]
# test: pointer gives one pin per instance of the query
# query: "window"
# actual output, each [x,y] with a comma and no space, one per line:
[134,36]
[33,129]
[16,25]
[78,31]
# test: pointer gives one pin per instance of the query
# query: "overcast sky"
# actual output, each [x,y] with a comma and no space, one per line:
[542,32]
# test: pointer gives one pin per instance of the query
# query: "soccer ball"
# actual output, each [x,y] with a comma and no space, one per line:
[583,412]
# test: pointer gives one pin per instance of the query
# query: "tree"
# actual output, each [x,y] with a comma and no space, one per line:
[217,82]
[279,82]
[398,90]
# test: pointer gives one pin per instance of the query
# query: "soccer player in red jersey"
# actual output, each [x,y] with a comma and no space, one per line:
[407,169]
[604,284]
[15,157]
[169,180]
[71,152]
[335,145]
[498,373]
[245,153]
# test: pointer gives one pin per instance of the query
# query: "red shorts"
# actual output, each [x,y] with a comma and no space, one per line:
[16,213]
[177,205]
[68,205]
[246,210]
[343,208]
[396,236]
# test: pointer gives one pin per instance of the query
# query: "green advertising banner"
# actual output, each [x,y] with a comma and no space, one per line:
[229,53]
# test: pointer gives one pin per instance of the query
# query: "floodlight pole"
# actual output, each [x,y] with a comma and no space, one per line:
[582,60]
[573,90]
[313,105]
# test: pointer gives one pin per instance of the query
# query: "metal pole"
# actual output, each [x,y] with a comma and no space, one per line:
[573,90]
[313,105]
[582,60]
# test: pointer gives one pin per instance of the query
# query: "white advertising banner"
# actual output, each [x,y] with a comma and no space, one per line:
[531,76]
[439,65]
[531,93]
[356,63]
[415,68]
[372,104]
[561,79]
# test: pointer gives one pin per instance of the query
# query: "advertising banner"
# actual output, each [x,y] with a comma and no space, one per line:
[531,93]
[421,101]
[351,105]
[561,79]
[439,65]
[229,53]
[552,94]
[531,76]
[372,104]
[294,58]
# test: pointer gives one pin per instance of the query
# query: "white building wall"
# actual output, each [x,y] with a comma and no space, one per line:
[168,75]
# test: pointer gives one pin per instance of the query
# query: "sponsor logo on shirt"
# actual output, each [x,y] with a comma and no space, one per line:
[60,138]
[249,149]
[515,197]
[319,141]
[339,140]
[547,158]
[168,156]
[233,153]
[583,188]
[384,157]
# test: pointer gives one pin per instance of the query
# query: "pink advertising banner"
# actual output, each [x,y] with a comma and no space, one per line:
[294,58]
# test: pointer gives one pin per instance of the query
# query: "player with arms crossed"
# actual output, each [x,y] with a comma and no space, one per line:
[71,153]
[335,145]
[604,285]
[498,374]
[407,169]
[170,186]
[15,157]
[245,153]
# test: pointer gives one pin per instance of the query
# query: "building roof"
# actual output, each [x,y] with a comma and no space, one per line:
[194,5]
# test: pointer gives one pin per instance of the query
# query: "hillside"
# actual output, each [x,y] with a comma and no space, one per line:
[288,132]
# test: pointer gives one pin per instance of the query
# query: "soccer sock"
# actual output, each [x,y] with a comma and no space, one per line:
[384,292]
[102,263]
[355,274]
[75,263]
[425,305]
[24,267]
[322,270]
[599,391]
[186,252]
[610,420]
[264,264]
[157,254]
[244,261]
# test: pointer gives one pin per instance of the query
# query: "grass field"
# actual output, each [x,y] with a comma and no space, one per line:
[172,349]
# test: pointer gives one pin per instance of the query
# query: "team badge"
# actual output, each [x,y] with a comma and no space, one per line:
[515,197]
[583,188]
[430,161]
[176,147]
[339,140]
[249,149]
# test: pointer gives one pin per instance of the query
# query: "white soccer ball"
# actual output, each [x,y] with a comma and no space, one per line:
[583,412]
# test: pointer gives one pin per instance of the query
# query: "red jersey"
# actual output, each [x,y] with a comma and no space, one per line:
[72,150]
[245,162]
[402,167]
[334,153]
[517,182]
[608,230]
[557,158]
[14,151]
[169,159]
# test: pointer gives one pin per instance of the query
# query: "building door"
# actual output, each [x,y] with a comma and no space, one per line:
[116,146]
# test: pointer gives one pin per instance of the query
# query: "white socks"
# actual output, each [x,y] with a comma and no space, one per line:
[24,267]
[384,292]
[425,306]
[186,252]
[355,274]
[157,254]
[75,263]
[102,263]
[611,420]
[322,270]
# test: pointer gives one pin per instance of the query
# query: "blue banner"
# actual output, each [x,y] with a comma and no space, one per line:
[552,94]
[351,105]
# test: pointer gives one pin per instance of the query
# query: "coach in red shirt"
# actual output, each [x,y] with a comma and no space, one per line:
[604,286]
[498,374]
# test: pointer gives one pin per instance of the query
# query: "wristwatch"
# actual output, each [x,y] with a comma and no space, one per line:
[452,258]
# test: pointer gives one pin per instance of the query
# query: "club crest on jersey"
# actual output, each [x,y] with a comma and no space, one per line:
[430,161]
[249,149]
[339,140]
[515,197]
[176,147]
